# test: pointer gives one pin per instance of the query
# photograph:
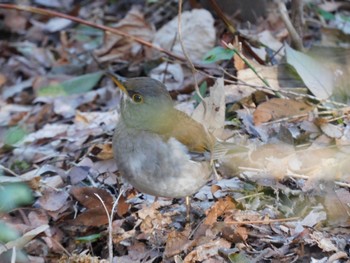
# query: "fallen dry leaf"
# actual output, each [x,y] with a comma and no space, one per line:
[218,209]
[102,151]
[207,251]
[212,115]
[95,215]
[87,197]
[278,77]
[53,200]
[235,234]
[331,130]
[15,21]
[23,240]
[122,207]
[92,217]
[171,75]
[197,24]
[177,242]
[134,24]
[323,242]
[337,205]
[276,108]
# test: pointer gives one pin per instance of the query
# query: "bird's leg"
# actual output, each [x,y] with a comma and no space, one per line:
[188,209]
[217,177]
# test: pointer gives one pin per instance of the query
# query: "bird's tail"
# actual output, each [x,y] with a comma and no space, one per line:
[225,149]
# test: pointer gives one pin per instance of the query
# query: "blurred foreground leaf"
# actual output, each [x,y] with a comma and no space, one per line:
[14,195]
[7,233]
[318,78]
[75,85]
[14,135]
[238,258]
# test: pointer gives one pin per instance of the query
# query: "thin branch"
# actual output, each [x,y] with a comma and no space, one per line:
[296,39]
[268,221]
[110,246]
[110,221]
[8,170]
[193,69]
[108,29]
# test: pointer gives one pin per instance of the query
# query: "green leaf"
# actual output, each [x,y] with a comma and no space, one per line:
[202,90]
[238,258]
[7,233]
[13,195]
[20,165]
[75,85]
[90,238]
[14,135]
[218,53]
[91,37]
[326,15]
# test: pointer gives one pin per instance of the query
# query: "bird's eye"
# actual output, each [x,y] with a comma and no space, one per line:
[137,98]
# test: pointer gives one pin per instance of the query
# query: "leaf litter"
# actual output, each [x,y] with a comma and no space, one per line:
[286,200]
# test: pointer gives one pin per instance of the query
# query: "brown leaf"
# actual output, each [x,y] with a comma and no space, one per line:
[177,242]
[235,234]
[218,209]
[123,206]
[38,218]
[86,196]
[276,108]
[16,21]
[95,215]
[3,79]
[138,252]
[206,251]
[337,205]
[64,210]
[102,151]
[238,62]
[214,188]
[92,217]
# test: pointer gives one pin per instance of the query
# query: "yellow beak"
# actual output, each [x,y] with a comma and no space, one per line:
[116,81]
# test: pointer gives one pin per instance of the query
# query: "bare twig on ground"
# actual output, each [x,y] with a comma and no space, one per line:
[8,170]
[110,221]
[267,221]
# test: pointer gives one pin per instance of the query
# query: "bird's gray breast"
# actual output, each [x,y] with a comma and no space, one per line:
[156,166]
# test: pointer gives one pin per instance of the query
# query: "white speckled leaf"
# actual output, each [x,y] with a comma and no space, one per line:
[213,117]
